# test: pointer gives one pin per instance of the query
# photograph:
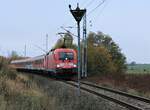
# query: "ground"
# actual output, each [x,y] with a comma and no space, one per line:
[25,91]
[137,84]
[139,69]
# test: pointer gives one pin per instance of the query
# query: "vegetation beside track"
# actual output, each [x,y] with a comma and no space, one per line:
[137,84]
[106,63]
[20,91]
[107,66]
[104,55]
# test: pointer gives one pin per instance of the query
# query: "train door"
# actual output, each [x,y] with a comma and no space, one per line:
[46,62]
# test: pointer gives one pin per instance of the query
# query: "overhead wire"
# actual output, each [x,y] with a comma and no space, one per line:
[90,12]
[89,3]
[39,48]
[92,1]
[102,2]
[100,12]
[73,35]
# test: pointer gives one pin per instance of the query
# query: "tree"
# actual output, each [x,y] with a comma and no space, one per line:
[104,55]
[133,63]
[99,60]
[14,56]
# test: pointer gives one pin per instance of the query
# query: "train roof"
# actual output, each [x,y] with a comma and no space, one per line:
[20,61]
[62,49]
[28,59]
[37,58]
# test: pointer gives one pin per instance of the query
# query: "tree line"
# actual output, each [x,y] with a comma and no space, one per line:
[103,54]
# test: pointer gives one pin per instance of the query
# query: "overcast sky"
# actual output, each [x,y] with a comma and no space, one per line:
[26,22]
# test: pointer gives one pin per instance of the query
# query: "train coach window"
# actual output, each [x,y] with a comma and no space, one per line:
[65,55]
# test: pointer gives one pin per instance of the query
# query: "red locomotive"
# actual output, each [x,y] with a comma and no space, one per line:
[60,61]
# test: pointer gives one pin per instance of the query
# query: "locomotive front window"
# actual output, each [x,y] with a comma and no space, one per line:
[65,55]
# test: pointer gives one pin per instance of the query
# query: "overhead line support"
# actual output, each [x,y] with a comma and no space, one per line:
[84,54]
[78,14]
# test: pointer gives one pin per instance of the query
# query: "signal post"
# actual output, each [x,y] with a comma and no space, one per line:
[78,14]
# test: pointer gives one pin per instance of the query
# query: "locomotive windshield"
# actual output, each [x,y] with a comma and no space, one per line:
[65,55]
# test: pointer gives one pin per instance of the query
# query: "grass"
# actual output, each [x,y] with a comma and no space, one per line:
[139,69]
[66,97]
[30,92]
[22,91]
[19,92]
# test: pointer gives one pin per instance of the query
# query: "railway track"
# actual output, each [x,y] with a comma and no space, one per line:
[131,102]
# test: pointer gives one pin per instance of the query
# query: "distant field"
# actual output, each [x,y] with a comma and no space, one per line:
[139,68]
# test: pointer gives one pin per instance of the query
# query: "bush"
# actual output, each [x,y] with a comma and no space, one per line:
[3,63]
[5,70]
[99,61]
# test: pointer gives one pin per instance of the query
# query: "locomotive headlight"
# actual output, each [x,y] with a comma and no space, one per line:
[58,65]
[74,65]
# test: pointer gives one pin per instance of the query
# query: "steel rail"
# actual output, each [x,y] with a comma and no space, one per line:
[146,100]
[122,103]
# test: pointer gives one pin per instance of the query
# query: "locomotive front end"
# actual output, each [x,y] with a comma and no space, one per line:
[66,63]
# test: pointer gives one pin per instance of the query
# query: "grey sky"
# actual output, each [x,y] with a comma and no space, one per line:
[27,22]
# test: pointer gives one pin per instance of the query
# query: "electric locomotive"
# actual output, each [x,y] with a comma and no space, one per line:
[60,62]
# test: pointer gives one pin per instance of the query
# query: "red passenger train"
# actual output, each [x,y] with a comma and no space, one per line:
[60,61]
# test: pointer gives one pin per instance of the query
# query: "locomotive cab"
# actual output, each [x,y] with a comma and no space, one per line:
[66,61]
